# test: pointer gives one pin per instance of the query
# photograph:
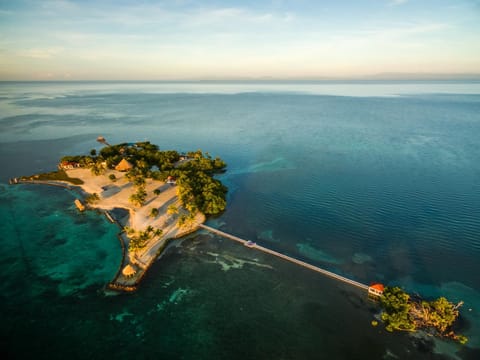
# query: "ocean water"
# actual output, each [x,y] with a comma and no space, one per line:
[377,181]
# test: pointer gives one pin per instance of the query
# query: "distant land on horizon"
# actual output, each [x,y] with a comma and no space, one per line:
[373,77]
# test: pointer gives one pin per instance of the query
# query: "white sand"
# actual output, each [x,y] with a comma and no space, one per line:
[116,195]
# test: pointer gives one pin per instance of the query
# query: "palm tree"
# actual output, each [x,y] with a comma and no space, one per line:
[142,165]
[139,181]
[154,212]
[192,208]
[97,168]
[92,198]
[172,209]
[129,230]
[139,197]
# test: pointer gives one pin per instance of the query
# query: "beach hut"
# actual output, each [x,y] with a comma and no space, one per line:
[129,271]
[376,289]
[123,165]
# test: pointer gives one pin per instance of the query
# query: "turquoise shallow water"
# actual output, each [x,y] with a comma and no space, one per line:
[366,183]
[49,241]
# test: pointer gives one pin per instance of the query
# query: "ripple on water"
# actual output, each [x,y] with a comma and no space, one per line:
[55,247]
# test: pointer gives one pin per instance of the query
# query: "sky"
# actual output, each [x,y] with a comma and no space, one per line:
[224,39]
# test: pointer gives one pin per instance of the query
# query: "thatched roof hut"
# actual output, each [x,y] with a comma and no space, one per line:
[123,165]
[129,270]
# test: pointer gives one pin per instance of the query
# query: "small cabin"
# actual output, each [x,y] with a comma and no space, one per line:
[376,289]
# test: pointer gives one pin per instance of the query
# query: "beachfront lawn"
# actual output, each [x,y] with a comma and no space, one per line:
[59,175]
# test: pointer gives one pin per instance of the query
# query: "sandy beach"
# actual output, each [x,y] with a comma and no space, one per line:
[116,194]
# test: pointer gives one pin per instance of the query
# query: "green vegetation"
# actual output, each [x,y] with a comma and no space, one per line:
[181,220]
[186,220]
[197,189]
[83,160]
[204,192]
[139,181]
[193,172]
[143,155]
[129,230]
[92,198]
[97,168]
[397,310]
[403,313]
[139,241]
[172,209]
[112,177]
[154,212]
[138,198]
[59,175]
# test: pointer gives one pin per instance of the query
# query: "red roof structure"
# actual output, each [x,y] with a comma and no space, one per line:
[376,289]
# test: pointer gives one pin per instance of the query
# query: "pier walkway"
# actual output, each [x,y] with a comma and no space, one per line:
[253,245]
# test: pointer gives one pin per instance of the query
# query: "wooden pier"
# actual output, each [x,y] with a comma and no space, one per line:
[253,245]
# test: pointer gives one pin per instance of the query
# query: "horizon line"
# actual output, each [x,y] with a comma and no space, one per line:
[374,77]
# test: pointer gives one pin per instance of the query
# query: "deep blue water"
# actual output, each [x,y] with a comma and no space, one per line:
[376,181]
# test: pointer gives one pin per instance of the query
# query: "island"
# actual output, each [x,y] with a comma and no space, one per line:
[406,313]
[153,195]
[156,196]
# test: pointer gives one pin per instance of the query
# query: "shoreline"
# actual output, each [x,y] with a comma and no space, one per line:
[138,263]
[115,195]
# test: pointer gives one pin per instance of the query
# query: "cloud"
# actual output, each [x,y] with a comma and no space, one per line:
[408,29]
[184,38]
[59,5]
[398,2]
[40,53]
[157,14]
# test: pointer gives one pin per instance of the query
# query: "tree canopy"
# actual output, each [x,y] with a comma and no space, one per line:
[197,187]
[143,155]
[403,313]
[198,190]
